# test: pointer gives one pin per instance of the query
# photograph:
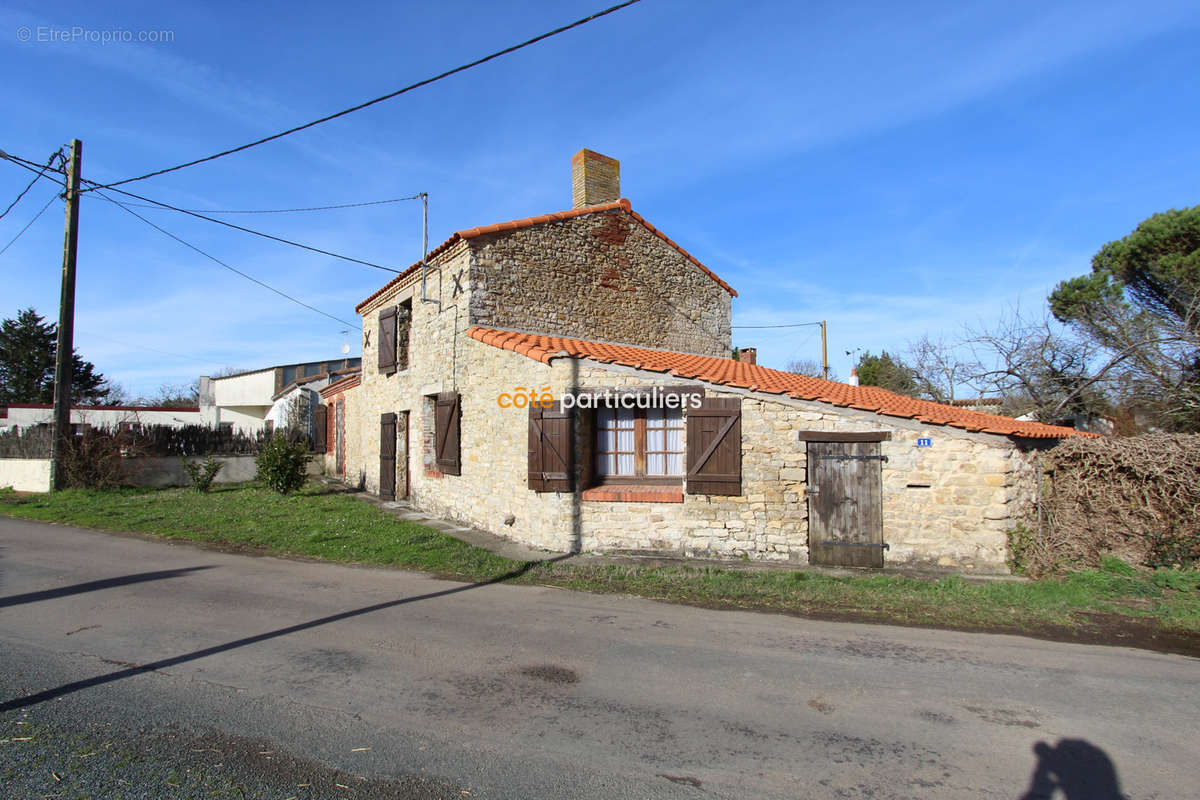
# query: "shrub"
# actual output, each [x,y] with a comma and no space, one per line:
[92,460]
[282,465]
[202,474]
[1134,498]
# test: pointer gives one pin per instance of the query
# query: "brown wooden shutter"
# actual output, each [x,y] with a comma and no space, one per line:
[320,421]
[446,434]
[714,447]
[387,456]
[551,449]
[387,340]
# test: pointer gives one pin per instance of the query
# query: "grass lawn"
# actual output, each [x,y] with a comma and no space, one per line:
[1116,604]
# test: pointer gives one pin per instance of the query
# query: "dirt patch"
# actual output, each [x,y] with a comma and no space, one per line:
[1112,630]
[551,674]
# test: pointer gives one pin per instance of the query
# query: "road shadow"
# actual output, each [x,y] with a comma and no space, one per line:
[95,586]
[100,680]
[1076,768]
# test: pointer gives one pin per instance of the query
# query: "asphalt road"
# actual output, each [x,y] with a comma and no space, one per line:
[394,684]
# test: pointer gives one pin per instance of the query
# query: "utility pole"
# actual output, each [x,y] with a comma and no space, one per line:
[64,356]
[824,353]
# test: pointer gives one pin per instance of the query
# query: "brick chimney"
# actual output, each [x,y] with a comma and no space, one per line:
[595,179]
[747,355]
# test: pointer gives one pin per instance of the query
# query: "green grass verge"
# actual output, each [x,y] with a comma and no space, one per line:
[320,523]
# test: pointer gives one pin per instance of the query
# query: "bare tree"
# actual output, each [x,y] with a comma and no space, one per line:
[1039,367]
[810,367]
[942,370]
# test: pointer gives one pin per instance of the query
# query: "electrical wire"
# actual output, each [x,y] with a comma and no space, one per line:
[280,239]
[36,178]
[234,270]
[29,224]
[144,348]
[794,325]
[25,163]
[281,210]
[389,96]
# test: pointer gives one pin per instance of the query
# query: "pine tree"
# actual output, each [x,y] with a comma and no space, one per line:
[28,345]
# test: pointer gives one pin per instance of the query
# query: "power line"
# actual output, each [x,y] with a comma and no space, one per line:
[794,325]
[36,178]
[389,96]
[153,350]
[281,210]
[227,266]
[159,204]
[29,224]
[280,239]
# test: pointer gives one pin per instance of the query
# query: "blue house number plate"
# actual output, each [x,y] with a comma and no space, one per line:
[924,442]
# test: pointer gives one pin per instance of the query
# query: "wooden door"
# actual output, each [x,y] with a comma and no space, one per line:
[845,504]
[387,457]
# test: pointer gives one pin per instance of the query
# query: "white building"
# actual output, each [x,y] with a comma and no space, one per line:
[245,401]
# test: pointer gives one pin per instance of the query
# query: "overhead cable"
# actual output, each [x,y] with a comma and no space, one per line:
[234,270]
[380,99]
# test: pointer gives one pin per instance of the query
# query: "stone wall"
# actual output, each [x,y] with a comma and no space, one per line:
[600,276]
[437,341]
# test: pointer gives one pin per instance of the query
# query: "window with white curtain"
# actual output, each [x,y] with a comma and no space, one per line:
[634,443]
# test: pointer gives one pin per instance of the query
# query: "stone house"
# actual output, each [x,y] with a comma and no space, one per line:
[566,381]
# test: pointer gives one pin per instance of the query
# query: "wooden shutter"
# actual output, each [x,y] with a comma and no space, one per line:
[551,449]
[320,421]
[446,433]
[714,447]
[387,456]
[387,340]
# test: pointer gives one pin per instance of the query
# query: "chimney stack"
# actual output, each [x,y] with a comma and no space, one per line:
[747,355]
[595,179]
[853,376]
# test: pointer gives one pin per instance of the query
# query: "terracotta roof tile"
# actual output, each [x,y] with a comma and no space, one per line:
[558,216]
[728,372]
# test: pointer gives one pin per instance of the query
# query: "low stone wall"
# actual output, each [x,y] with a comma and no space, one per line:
[159,473]
[33,474]
[25,474]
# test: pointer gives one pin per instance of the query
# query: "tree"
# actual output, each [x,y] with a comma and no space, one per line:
[28,345]
[810,367]
[1140,306]
[940,370]
[887,372]
[175,395]
[1039,368]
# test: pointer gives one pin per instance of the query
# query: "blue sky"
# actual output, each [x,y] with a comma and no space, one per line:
[895,169]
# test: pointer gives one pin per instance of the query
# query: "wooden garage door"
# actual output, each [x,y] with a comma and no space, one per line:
[845,504]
